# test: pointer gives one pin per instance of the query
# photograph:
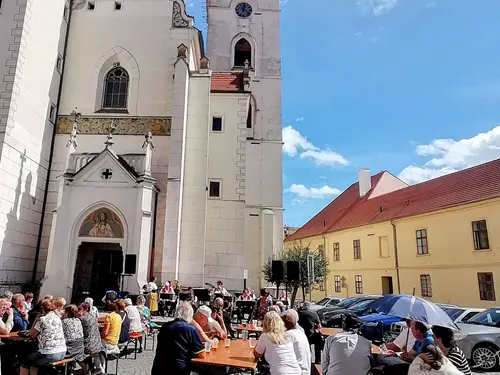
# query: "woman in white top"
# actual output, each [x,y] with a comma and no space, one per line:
[277,347]
[432,362]
[93,310]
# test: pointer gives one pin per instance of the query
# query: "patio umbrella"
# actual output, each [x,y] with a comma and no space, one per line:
[414,308]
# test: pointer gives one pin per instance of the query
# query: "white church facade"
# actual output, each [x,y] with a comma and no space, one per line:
[123,136]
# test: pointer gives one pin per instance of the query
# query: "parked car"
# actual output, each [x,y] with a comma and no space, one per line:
[378,327]
[481,343]
[326,302]
[445,305]
[348,302]
[462,314]
[361,308]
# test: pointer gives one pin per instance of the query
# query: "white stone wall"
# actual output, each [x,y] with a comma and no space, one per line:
[140,36]
[124,144]
[260,176]
[225,234]
[33,35]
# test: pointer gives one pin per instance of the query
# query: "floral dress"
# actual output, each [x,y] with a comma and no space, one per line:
[73,333]
[91,336]
[144,314]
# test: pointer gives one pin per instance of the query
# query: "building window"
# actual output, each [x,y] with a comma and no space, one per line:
[357,249]
[52,113]
[242,53]
[214,189]
[116,88]
[118,5]
[66,12]
[90,5]
[59,62]
[337,284]
[425,285]
[422,242]
[358,282]
[383,247]
[216,124]
[249,117]
[480,234]
[486,286]
[336,252]
[321,251]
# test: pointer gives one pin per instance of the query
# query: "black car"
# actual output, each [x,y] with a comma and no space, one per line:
[360,308]
[348,302]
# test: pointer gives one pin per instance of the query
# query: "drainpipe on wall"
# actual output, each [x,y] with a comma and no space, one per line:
[324,253]
[49,168]
[153,237]
[396,257]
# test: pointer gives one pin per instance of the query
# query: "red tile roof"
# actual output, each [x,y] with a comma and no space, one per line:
[227,82]
[349,211]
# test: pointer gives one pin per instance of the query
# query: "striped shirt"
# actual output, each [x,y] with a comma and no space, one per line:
[457,357]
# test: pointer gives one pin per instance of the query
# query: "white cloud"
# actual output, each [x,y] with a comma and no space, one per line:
[430,5]
[299,119]
[377,7]
[303,192]
[295,143]
[324,157]
[449,155]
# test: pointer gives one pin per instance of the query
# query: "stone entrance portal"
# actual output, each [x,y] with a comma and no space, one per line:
[98,268]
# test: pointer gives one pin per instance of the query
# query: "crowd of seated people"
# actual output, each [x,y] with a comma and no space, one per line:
[59,330]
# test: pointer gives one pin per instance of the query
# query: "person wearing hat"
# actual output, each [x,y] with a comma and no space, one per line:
[203,316]
[347,352]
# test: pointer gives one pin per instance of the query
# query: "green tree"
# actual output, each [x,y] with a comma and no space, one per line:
[299,252]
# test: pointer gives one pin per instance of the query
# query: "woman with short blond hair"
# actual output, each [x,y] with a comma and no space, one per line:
[277,347]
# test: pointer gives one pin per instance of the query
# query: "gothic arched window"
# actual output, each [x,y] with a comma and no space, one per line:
[242,53]
[116,88]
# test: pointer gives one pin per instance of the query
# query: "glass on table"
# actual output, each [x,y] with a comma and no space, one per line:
[207,347]
[252,342]
[216,346]
[227,343]
[254,322]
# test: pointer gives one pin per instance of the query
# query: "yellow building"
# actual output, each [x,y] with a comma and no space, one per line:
[439,238]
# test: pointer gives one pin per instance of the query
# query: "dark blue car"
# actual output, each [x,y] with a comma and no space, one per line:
[377,327]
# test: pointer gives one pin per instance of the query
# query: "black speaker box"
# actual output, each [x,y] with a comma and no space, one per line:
[130,264]
[293,270]
[117,262]
[277,269]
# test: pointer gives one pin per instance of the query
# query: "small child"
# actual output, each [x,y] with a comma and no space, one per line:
[28,299]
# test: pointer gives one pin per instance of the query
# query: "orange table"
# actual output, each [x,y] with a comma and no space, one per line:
[249,327]
[238,355]
[330,331]
[12,336]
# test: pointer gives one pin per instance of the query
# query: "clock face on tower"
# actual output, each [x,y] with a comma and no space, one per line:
[243,10]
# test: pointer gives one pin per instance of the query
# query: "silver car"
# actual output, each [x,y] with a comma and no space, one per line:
[481,343]
[326,302]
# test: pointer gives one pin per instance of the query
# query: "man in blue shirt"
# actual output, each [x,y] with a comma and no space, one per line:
[178,343]
[423,336]
[20,316]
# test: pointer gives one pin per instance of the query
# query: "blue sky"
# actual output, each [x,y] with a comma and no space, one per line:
[408,86]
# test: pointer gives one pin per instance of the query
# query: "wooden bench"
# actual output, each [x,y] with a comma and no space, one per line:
[134,336]
[152,333]
[318,369]
[63,362]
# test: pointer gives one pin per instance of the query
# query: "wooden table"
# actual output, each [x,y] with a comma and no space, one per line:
[238,355]
[13,336]
[330,331]
[249,327]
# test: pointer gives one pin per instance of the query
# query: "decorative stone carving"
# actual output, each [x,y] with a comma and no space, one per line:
[72,136]
[123,125]
[182,51]
[204,63]
[178,17]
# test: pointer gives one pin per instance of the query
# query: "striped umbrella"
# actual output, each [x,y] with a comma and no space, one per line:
[414,308]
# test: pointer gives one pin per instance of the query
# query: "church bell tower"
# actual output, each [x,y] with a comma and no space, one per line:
[244,36]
